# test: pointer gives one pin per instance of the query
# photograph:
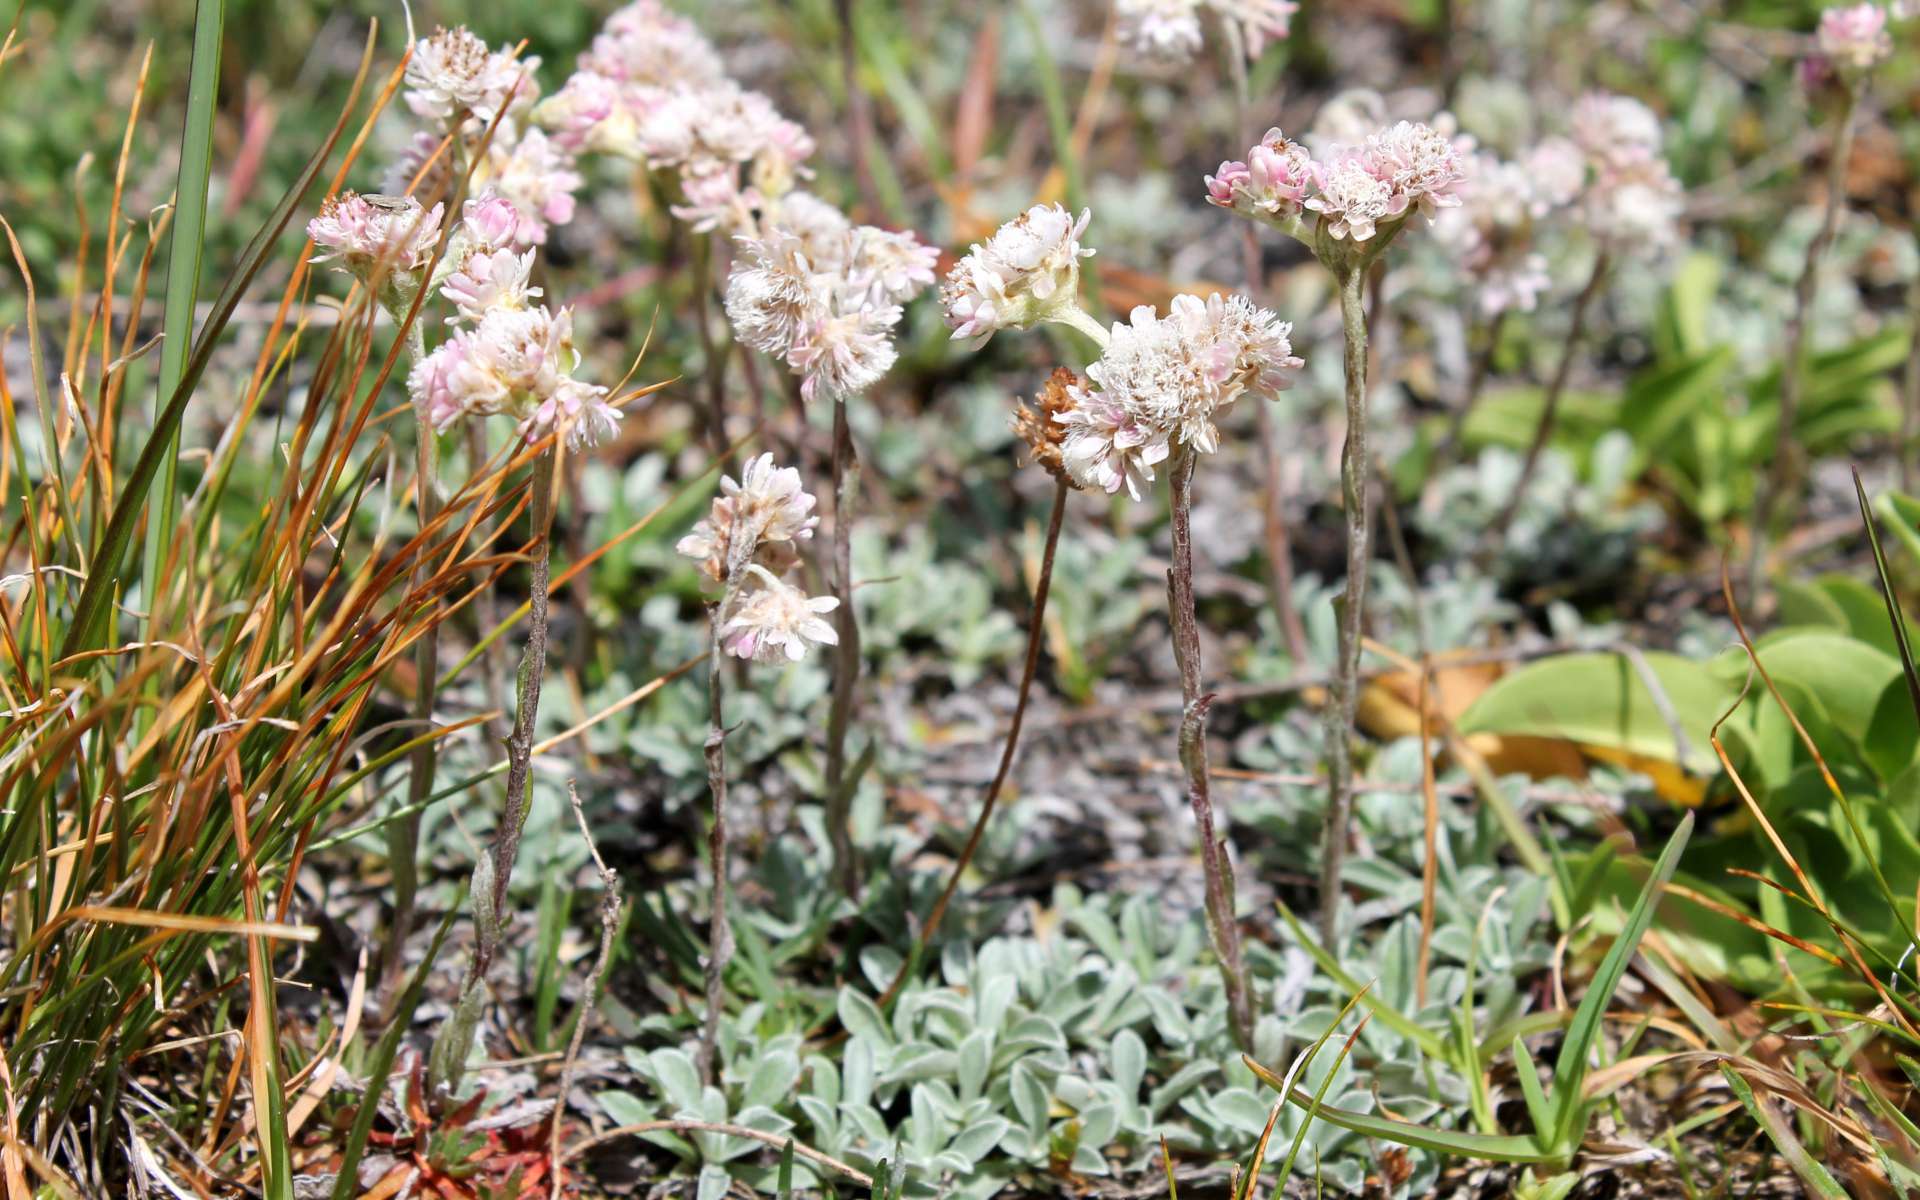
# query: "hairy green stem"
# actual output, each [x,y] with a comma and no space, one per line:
[720,931]
[1346,685]
[846,659]
[403,836]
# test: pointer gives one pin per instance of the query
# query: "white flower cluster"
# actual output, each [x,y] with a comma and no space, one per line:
[1162,381]
[807,286]
[1853,38]
[505,354]
[1629,198]
[1169,30]
[485,98]
[652,89]
[1026,273]
[824,295]
[1354,191]
[371,236]
[745,543]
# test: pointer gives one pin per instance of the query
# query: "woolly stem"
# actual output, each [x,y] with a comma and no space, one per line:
[1346,685]
[533,665]
[1221,923]
[1550,407]
[720,932]
[1788,466]
[846,660]
[1036,636]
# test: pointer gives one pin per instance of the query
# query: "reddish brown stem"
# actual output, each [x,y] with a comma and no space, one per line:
[1221,923]
[1036,637]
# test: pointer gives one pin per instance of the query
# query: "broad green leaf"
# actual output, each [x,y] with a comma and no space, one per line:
[1843,674]
[1600,699]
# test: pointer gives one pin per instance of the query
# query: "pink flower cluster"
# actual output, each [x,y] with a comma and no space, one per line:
[461,87]
[374,235]
[826,299]
[1162,381]
[1853,38]
[505,355]
[745,543]
[652,89]
[1353,190]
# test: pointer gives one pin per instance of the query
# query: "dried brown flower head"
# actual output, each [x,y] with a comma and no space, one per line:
[1040,428]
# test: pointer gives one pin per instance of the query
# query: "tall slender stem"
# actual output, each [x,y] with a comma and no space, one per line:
[846,661]
[1550,407]
[1354,474]
[1787,468]
[710,353]
[494,871]
[1221,922]
[533,665]
[403,834]
[720,931]
[1036,637]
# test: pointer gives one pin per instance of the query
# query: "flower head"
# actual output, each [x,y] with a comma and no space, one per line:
[844,353]
[513,360]
[887,266]
[1854,36]
[1614,129]
[777,621]
[454,72]
[1423,167]
[768,510]
[1107,447]
[537,177]
[489,279]
[1163,380]
[1167,30]
[1350,197]
[361,232]
[1272,183]
[772,291]
[582,409]
[1027,272]
[1635,205]
[646,44]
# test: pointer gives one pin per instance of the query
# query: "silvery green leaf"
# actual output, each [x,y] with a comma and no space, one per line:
[879,964]
[714,1182]
[1128,1056]
[1169,1019]
[862,1018]
[824,1118]
[1179,1084]
[917,1060]
[948,1163]
[857,1086]
[1098,1125]
[995,997]
[1018,1145]
[624,1108]
[772,1079]
[976,1055]
[927,1129]
[1035,1032]
[1089,1161]
[1073,1091]
[673,1073]
[823,1078]
[1029,1098]
[1241,1108]
[872,1129]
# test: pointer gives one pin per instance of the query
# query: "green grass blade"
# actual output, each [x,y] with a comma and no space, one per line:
[183,278]
[90,613]
[1571,1067]
[1429,1042]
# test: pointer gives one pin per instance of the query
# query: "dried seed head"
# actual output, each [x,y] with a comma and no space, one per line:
[1040,428]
